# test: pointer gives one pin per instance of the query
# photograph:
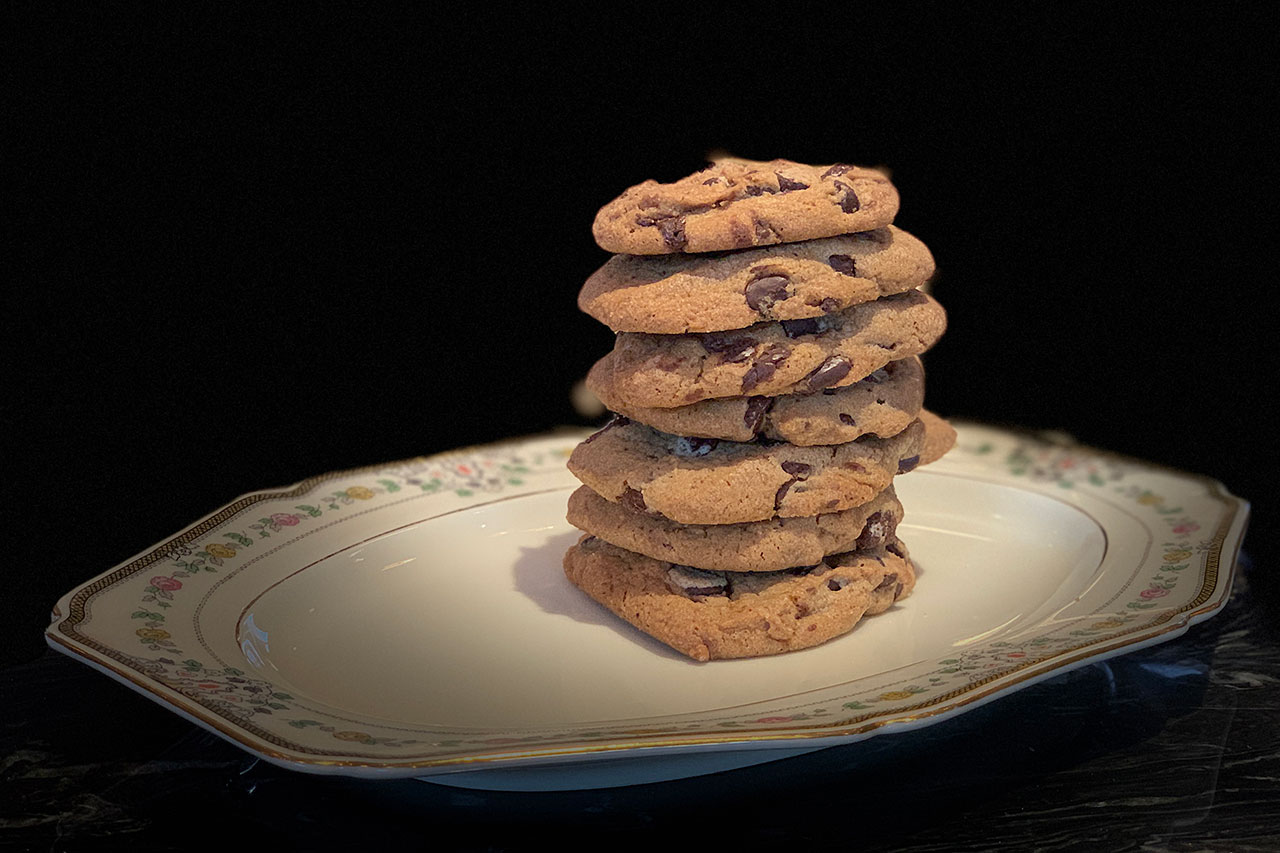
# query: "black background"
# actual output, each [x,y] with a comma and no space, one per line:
[252,251]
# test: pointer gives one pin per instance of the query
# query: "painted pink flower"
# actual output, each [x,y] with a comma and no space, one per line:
[774,720]
[1154,592]
[285,519]
[1186,527]
[166,583]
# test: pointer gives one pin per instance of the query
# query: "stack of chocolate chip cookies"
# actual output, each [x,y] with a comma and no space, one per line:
[767,388]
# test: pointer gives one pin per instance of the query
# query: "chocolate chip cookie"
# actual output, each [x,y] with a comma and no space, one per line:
[673,294]
[718,615]
[737,204]
[769,359]
[880,404]
[705,481]
[757,546]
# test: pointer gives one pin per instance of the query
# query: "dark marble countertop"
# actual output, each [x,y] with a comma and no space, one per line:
[1175,747]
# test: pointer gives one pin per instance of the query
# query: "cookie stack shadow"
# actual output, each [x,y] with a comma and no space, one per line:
[766,389]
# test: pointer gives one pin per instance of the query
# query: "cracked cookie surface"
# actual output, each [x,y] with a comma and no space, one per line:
[769,359]
[718,615]
[881,404]
[757,546]
[704,481]
[673,294]
[737,204]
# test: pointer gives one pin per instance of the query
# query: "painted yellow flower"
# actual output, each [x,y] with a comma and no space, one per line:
[221,551]
[152,633]
[360,493]
[894,695]
[1176,556]
[1149,499]
[358,736]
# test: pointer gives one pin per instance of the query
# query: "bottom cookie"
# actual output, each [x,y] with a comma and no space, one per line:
[719,615]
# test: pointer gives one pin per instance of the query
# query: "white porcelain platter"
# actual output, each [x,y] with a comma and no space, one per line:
[413,619]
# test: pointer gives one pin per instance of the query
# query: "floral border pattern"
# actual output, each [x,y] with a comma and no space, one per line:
[1189,552]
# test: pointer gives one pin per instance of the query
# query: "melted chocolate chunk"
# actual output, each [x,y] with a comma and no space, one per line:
[836,584]
[908,464]
[693,581]
[762,292]
[847,420]
[672,231]
[796,328]
[828,373]
[897,592]
[616,421]
[843,264]
[889,580]
[782,493]
[893,548]
[733,348]
[690,446]
[849,201]
[753,191]
[786,184]
[633,500]
[764,367]
[757,408]
[874,532]
[799,470]
[836,170]
[829,305]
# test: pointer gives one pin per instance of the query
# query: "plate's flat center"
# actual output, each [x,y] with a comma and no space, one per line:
[467,619]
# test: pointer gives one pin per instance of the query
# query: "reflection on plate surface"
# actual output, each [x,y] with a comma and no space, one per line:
[413,618]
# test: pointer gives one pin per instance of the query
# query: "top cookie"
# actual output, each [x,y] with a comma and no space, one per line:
[737,204]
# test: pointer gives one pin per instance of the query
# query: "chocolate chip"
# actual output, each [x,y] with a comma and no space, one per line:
[633,500]
[836,170]
[616,421]
[828,373]
[874,532]
[888,581]
[764,231]
[765,366]
[876,377]
[710,181]
[753,417]
[762,292]
[847,419]
[782,493]
[786,184]
[753,191]
[829,392]
[796,328]
[829,305]
[895,549]
[849,201]
[835,584]
[734,348]
[843,264]
[908,464]
[897,592]
[879,235]
[690,446]
[799,470]
[672,231]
